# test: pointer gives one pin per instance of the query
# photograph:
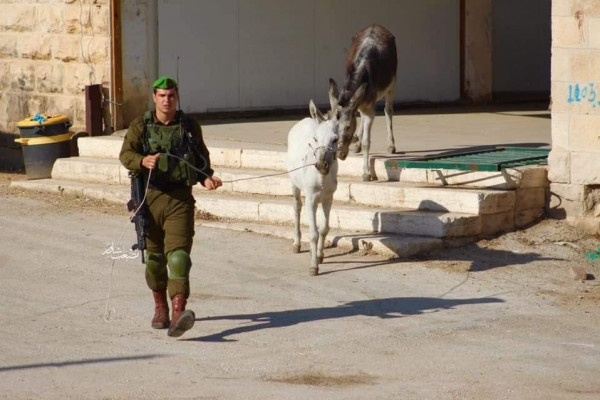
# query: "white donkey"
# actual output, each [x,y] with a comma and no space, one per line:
[313,141]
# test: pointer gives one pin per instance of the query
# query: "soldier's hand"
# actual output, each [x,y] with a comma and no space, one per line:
[212,182]
[150,161]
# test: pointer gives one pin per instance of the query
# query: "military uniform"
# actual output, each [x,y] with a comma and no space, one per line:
[169,199]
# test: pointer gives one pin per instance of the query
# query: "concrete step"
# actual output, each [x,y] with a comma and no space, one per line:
[385,245]
[392,245]
[263,209]
[378,194]
[236,157]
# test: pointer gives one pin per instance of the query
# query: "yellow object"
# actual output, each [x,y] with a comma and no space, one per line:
[50,120]
[45,140]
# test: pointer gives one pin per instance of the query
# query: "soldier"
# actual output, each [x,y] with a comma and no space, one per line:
[157,144]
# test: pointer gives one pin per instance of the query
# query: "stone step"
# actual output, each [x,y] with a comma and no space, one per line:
[391,245]
[278,211]
[378,194]
[235,157]
[385,245]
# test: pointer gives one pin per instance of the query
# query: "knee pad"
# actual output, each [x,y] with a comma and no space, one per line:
[179,264]
[156,271]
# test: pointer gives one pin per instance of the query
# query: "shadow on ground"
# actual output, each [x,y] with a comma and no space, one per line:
[396,307]
[77,362]
[483,259]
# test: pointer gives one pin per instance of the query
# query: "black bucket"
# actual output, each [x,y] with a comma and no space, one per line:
[44,138]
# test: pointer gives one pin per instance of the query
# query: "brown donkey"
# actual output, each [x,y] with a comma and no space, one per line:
[370,75]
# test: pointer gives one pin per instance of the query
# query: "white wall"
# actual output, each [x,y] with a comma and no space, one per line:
[252,54]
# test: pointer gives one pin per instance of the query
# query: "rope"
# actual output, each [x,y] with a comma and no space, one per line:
[240,179]
[110,313]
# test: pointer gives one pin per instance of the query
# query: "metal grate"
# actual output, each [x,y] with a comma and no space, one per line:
[482,160]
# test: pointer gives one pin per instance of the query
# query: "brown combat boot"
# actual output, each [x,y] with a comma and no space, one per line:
[161,310]
[182,319]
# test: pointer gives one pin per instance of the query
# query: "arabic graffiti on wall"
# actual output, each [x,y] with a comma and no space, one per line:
[583,93]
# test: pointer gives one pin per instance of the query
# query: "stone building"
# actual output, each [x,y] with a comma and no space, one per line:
[574,161]
[237,55]
[49,51]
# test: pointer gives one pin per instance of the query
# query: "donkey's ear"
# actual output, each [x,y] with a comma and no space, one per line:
[358,96]
[315,113]
[334,94]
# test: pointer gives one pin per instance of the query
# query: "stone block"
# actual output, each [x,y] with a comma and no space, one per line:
[96,49]
[65,105]
[561,8]
[568,32]
[560,131]
[263,159]
[589,8]
[18,18]
[81,75]
[585,66]
[22,76]
[578,273]
[49,77]
[561,208]
[35,104]
[560,64]
[4,75]
[530,177]
[524,218]
[559,164]
[35,46]
[563,97]
[76,18]
[589,225]
[66,48]
[79,119]
[89,19]
[50,18]
[226,157]
[530,198]
[585,168]
[594,32]
[568,191]
[13,108]
[229,208]
[492,224]
[8,45]
[101,19]
[584,132]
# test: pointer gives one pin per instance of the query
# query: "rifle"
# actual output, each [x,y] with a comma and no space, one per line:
[140,219]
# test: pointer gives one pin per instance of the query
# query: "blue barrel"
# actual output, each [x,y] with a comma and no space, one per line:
[44,138]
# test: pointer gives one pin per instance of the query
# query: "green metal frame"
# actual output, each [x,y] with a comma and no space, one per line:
[482,160]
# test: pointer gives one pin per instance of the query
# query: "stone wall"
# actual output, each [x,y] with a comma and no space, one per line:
[49,51]
[575,158]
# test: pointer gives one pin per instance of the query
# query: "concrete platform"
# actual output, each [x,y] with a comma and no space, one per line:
[253,181]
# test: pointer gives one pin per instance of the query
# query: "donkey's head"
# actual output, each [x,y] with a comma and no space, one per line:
[343,109]
[325,139]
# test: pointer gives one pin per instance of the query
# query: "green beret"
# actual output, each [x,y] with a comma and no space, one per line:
[164,83]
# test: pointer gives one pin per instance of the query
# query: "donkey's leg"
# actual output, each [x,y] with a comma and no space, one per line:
[297,202]
[326,201]
[368,116]
[389,114]
[355,145]
[311,208]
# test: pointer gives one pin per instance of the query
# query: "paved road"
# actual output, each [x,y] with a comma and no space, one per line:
[368,328]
